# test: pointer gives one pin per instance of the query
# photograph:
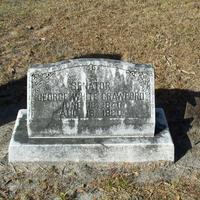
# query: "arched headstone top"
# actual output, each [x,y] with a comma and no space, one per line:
[91,98]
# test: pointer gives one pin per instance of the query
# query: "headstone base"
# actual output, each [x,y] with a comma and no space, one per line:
[132,149]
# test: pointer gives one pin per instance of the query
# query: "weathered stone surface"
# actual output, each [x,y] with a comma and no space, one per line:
[91,98]
[120,149]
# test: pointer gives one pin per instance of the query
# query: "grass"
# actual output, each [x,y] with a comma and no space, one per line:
[108,183]
[162,32]
[121,188]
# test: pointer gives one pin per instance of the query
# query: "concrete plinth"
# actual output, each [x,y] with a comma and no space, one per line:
[132,149]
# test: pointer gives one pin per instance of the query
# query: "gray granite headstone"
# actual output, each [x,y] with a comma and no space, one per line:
[91,98]
[96,110]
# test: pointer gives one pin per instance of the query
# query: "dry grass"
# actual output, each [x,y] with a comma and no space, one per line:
[92,182]
[165,33]
[123,187]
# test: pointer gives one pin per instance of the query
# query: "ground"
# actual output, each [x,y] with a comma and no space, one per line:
[163,33]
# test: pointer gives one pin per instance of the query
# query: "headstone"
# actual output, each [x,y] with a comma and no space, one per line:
[91,110]
[91,98]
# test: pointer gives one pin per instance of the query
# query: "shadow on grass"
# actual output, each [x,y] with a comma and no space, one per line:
[106,56]
[12,98]
[173,101]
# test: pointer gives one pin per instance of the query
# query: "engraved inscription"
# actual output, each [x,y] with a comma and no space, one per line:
[100,100]
[97,97]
